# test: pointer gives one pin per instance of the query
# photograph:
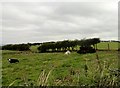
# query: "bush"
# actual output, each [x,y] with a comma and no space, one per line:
[19,47]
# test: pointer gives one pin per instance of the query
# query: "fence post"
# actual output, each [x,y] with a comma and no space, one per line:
[108,47]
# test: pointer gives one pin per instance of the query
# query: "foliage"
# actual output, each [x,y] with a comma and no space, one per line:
[34,44]
[67,44]
[19,47]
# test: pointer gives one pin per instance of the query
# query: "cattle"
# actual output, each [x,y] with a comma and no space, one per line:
[86,49]
[67,52]
[13,60]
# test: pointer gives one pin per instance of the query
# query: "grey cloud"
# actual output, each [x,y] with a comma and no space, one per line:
[33,22]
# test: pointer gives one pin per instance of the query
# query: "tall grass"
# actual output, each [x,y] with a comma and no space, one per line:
[105,77]
[41,81]
[69,70]
[11,84]
[43,78]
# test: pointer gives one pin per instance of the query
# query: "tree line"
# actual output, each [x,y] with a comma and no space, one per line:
[53,46]
[67,44]
[18,47]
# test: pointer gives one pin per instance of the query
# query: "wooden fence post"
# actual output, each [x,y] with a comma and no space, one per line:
[108,47]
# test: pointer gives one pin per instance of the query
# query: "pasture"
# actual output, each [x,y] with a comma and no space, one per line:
[58,69]
[112,45]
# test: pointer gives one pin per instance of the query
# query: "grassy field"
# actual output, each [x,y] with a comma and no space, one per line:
[104,45]
[58,69]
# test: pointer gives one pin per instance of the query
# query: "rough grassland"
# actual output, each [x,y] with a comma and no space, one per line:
[65,69]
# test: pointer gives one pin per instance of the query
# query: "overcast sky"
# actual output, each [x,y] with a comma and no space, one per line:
[53,21]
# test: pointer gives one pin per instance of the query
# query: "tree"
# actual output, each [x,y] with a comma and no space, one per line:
[19,47]
[95,41]
[42,48]
[66,44]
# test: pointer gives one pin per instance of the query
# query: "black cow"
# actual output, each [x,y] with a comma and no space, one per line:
[13,60]
[86,49]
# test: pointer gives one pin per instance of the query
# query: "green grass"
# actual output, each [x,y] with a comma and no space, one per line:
[104,45]
[66,69]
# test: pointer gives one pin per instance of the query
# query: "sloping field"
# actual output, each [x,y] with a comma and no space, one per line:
[59,69]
